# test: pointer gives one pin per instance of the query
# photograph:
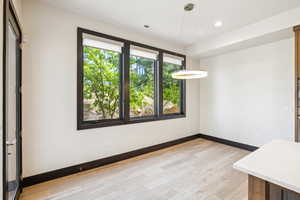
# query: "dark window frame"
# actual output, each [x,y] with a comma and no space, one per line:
[124,85]
[156,89]
[182,92]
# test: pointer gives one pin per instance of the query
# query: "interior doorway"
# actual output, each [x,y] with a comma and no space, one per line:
[12,126]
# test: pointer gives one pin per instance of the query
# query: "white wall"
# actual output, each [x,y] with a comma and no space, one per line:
[248,96]
[51,140]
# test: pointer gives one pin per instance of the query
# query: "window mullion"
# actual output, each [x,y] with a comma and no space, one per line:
[160,83]
[126,86]
[156,89]
[121,88]
[79,78]
[183,91]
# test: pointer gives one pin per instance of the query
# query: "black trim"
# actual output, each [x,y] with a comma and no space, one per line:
[40,178]
[79,79]
[126,87]
[116,122]
[125,76]
[160,84]
[229,142]
[110,37]
[4,175]
[28,181]
[10,16]
[12,185]
[182,91]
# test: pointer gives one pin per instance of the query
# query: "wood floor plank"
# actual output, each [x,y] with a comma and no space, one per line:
[196,170]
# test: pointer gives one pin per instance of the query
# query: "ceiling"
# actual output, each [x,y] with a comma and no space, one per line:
[168,21]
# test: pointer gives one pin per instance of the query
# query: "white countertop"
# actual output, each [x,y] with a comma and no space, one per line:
[277,162]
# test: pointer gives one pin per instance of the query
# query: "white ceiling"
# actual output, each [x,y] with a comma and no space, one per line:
[167,19]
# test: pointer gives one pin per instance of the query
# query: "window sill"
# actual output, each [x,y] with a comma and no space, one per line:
[100,124]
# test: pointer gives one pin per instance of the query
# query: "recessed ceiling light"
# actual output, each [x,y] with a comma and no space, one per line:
[218,23]
[146,26]
[189,7]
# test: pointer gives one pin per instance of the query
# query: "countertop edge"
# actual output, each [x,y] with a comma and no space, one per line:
[268,179]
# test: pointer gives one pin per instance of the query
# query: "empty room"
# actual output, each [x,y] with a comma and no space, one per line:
[150,99]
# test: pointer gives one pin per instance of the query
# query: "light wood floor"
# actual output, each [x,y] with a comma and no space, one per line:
[196,170]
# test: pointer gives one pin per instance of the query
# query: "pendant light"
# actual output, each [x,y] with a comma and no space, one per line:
[189,74]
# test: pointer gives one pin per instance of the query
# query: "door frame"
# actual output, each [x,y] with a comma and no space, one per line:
[10,16]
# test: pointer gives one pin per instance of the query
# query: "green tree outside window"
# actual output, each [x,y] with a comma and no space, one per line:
[101,88]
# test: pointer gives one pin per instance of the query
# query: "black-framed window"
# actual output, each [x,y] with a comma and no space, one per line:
[102,61]
[172,88]
[142,92]
[122,82]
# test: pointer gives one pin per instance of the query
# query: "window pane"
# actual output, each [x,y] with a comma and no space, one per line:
[101,89]
[141,86]
[171,89]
